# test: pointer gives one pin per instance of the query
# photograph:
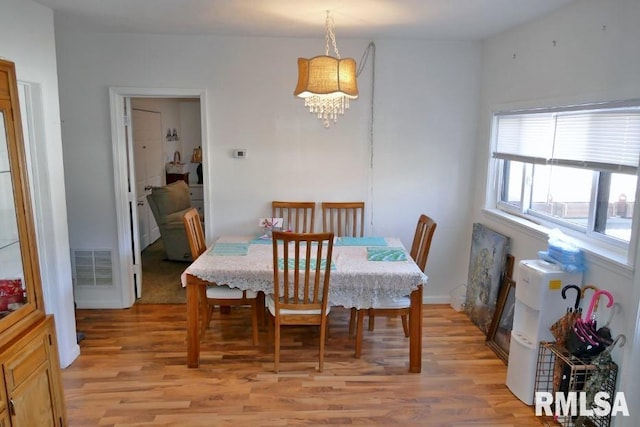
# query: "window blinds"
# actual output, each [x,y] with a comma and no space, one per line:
[606,139]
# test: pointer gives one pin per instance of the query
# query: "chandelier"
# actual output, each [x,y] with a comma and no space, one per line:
[325,82]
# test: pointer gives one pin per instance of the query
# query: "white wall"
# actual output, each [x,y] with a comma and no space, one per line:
[593,59]
[27,39]
[425,113]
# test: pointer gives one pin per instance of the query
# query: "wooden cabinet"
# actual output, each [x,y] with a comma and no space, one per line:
[30,387]
[32,378]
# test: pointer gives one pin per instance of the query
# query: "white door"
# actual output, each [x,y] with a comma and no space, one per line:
[147,141]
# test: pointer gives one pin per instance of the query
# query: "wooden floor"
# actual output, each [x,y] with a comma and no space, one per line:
[132,372]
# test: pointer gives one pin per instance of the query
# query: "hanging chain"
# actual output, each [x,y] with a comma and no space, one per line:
[331,34]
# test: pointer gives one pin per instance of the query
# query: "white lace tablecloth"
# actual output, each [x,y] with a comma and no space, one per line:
[355,281]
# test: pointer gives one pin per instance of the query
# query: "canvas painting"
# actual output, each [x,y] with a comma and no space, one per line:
[487,264]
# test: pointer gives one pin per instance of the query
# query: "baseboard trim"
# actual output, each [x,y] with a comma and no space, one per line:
[442,299]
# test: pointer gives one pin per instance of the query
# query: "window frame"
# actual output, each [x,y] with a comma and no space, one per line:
[610,247]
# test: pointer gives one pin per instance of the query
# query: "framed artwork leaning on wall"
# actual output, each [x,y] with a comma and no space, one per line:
[499,335]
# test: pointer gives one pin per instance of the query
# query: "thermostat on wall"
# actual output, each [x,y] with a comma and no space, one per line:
[240,153]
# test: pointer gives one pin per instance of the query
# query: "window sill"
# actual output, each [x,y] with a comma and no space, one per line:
[596,253]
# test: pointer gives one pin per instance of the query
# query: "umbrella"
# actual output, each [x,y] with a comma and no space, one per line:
[593,305]
[584,342]
[600,378]
[603,335]
[583,339]
[583,293]
[560,330]
[603,331]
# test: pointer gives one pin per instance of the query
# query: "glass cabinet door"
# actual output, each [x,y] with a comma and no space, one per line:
[12,290]
[11,274]
[20,289]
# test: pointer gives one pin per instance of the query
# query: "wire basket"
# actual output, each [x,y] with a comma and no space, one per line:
[560,371]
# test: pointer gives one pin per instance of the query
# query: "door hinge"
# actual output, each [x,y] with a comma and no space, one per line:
[127,121]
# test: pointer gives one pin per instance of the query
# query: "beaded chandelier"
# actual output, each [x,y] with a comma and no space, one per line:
[325,82]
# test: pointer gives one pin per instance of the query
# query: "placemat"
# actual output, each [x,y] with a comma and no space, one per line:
[386,254]
[361,241]
[229,249]
[292,262]
[261,241]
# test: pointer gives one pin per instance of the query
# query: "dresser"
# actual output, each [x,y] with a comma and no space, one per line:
[197,198]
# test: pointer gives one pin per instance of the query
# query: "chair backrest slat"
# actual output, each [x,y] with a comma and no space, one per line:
[303,281]
[343,218]
[422,240]
[298,217]
[195,232]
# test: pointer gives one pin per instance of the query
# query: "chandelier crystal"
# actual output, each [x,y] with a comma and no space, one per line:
[325,82]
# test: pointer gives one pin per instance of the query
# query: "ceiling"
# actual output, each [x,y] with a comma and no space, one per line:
[361,19]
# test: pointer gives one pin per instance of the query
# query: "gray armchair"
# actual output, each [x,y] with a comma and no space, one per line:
[168,205]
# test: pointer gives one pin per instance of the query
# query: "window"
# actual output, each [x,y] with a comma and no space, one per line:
[574,168]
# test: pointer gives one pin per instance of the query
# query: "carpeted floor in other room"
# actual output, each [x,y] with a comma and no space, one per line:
[161,277]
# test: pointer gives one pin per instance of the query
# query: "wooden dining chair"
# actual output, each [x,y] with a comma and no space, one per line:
[298,217]
[343,218]
[220,295]
[400,306]
[301,273]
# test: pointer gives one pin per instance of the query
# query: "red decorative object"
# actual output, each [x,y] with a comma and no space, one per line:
[11,292]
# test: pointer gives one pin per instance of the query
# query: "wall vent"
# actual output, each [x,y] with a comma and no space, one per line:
[92,267]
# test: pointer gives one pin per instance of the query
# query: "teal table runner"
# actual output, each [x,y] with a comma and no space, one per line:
[230,249]
[361,241]
[386,254]
[291,264]
[261,241]
[268,241]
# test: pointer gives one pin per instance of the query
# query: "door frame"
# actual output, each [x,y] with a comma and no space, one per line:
[126,217]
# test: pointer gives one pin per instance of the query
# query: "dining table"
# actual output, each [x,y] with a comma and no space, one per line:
[365,272]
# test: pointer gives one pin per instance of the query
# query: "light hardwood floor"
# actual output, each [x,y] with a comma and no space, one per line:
[132,372]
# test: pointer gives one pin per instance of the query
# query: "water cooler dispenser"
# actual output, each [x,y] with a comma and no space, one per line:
[538,305]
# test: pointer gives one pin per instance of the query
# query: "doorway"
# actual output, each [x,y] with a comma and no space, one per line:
[163,129]
[126,192]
